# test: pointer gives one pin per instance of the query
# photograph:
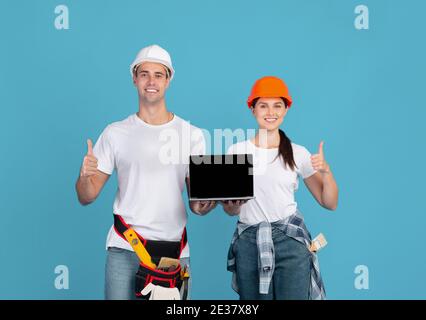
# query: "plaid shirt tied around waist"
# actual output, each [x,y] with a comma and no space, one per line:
[294,227]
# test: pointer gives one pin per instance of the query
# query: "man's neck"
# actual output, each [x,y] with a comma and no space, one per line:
[154,114]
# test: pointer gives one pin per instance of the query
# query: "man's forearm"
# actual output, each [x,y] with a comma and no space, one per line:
[86,190]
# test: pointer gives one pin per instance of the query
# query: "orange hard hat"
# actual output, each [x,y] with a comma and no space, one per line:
[269,87]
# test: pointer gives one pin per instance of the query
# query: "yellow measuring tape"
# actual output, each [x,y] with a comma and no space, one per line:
[139,248]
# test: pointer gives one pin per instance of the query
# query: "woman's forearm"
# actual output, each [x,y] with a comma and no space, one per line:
[330,191]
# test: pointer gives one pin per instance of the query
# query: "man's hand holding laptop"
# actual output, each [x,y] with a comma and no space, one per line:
[202,207]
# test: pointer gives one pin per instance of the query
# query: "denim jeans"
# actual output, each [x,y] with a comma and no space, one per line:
[120,271]
[291,278]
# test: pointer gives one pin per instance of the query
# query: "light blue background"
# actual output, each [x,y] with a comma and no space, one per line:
[362,92]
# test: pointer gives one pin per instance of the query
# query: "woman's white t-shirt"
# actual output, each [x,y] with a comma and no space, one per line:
[274,184]
[152,163]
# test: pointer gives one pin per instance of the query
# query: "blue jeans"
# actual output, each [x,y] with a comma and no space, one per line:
[120,271]
[292,274]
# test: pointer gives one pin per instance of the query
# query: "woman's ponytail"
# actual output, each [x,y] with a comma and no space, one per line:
[285,150]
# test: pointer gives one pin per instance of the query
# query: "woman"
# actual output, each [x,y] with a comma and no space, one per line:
[271,255]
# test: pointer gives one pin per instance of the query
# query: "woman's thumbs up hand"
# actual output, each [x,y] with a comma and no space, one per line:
[318,160]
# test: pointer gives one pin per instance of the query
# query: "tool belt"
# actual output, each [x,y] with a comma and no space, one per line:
[153,256]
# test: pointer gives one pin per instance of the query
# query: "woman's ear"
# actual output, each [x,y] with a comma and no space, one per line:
[285,111]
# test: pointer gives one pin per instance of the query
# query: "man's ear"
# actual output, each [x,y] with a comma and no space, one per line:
[134,79]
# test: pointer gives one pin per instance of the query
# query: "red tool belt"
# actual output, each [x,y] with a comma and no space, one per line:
[157,249]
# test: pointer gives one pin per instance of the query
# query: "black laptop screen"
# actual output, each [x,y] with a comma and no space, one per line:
[221,176]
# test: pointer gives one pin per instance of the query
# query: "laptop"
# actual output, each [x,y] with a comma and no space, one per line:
[221,177]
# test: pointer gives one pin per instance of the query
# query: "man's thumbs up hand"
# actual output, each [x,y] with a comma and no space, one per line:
[90,163]
[318,160]
[89,147]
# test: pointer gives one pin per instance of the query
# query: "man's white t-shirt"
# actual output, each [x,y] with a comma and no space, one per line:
[152,163]
[274,184]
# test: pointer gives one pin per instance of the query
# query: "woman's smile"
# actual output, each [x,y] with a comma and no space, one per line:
[271,119]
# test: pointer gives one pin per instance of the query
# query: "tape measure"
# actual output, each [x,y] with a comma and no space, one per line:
[139,248]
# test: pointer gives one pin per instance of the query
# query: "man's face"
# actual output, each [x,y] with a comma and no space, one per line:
[151,80]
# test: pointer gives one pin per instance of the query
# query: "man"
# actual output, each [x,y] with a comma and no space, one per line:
[151,171]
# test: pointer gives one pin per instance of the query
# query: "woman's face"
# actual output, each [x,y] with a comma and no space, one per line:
[269,113]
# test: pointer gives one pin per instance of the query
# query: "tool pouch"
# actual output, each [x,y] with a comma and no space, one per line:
[165,277]
[168,277]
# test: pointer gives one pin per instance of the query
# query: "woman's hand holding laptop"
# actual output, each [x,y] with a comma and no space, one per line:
[232,207]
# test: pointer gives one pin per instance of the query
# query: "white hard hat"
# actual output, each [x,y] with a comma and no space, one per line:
[153,53]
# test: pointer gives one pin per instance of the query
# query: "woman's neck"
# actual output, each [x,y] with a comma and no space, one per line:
[267,139]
